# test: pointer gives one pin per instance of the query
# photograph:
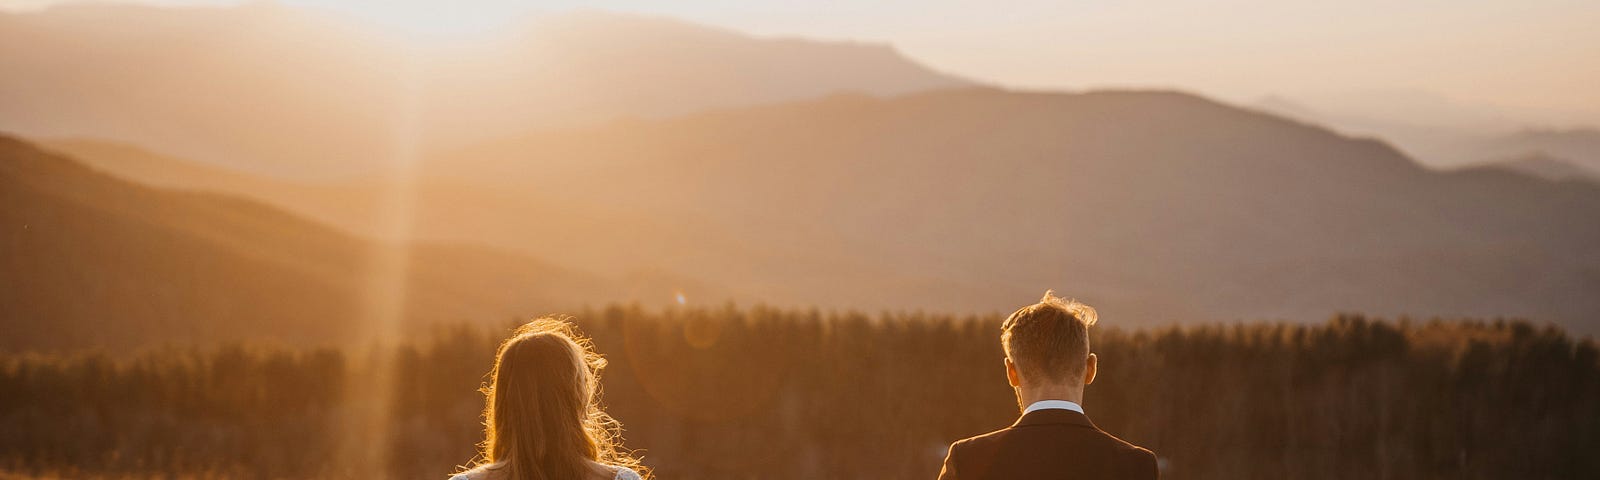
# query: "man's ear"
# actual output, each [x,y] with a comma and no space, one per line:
[1011,374]
[1089,368]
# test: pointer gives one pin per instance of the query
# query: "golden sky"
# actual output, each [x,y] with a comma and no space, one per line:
[1538,60]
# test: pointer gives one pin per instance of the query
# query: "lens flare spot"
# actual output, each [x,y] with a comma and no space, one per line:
[702,332]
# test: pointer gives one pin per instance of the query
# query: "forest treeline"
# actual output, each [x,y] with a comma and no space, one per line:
[722,392]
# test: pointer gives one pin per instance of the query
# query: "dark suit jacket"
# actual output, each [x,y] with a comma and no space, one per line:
[1051,443]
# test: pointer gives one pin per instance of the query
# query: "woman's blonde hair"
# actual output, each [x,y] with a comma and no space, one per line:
[542,417]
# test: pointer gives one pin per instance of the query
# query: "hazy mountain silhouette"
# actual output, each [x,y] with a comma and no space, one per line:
[1482,138]
[1158,206]
[272,89]
[1550,168]
[93,260]
[1434,145]
[350,204]
[1579,147]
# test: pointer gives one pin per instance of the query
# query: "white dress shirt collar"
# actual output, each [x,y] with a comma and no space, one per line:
[1052,404]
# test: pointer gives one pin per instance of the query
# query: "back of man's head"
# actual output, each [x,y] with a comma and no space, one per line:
[1049,341]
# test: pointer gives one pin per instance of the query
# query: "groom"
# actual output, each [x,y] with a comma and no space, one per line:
[1048,363]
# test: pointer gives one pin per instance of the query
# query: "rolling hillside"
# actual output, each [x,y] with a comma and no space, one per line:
[1156,206]
[1578,149]
[1550,168]
[1444,135]
[90,260]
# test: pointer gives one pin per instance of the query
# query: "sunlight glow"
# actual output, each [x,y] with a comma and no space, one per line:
[389,270]
[429,20]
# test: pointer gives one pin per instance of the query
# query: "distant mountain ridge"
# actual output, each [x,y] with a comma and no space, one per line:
[272,89]
[1577,147]
[1155,206]
[1162,206]
[91,260]
[1451,147]
[1548,168]
[744,178]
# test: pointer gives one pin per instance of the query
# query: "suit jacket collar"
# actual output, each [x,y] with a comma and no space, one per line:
[1054,416]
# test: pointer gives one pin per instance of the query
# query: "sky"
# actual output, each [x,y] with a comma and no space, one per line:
[1536,60]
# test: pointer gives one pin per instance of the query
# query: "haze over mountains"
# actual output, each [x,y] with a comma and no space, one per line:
[1155,206]
[90,260]
[1158,206]
[294,93]
[1474,137]
[1577,149]
[623,175]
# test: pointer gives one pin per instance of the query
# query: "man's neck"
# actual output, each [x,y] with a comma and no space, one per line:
[1026,394]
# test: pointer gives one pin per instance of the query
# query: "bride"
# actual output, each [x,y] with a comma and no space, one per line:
[542,419]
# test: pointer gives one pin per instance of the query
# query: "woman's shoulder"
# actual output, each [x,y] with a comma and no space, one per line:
[480,472]
[625,473]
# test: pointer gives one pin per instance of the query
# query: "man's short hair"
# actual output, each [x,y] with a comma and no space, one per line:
[1049,341]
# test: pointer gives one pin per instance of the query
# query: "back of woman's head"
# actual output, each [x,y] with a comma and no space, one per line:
[543,419]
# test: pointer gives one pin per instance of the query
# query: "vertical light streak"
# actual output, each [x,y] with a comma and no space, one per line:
[373,383]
